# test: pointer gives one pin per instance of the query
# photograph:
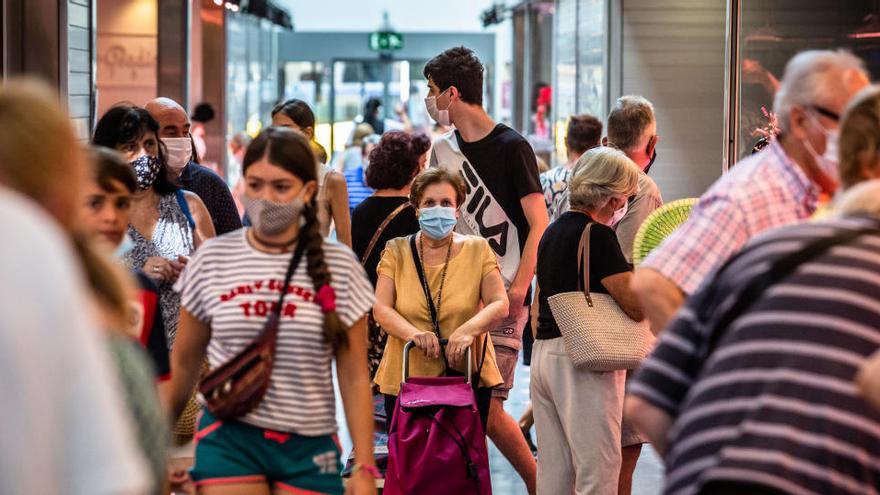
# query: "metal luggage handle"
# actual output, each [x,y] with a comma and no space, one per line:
[443,342]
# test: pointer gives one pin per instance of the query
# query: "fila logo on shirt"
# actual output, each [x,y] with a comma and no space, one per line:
[496,234]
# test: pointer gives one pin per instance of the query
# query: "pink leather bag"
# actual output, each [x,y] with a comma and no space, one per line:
[436,444]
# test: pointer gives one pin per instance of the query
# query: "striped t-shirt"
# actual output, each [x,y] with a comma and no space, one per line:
[231,287]
[774,404]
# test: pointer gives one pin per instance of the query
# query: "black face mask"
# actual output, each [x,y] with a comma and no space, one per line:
[651,163]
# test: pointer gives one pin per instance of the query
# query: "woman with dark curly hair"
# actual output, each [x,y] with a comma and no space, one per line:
[387,214]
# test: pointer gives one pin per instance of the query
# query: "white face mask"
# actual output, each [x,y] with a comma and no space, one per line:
[179,153]
[439,116]
[828,161]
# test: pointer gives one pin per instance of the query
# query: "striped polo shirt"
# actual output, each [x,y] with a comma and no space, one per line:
[232,287]
[774,403]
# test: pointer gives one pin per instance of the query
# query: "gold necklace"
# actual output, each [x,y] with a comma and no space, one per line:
[435,324]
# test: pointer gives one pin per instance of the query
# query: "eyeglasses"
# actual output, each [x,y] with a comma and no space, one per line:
[826,113]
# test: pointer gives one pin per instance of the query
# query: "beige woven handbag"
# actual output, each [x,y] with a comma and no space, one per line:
[598,335]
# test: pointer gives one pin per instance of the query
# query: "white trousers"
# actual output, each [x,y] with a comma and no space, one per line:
[577,418]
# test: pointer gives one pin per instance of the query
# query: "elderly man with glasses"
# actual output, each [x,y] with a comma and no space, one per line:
[782,184]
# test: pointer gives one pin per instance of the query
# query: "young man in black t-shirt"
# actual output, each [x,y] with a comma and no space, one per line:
[504,204]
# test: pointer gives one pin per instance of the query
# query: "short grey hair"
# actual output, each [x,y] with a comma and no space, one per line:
[598,175]
[627,121]
[862,198]
[809,76]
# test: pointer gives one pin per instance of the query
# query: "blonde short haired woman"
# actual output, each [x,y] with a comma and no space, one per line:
[578,412]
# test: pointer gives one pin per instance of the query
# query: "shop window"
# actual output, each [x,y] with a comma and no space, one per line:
[772,32]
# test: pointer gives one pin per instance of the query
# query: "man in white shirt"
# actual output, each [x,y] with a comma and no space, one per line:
[65,429]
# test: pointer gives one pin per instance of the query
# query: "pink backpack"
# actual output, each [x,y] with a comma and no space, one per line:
[436,443]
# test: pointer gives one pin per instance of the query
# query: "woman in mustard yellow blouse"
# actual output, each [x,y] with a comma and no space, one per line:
[465,285]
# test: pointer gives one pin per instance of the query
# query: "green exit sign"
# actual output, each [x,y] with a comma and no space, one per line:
[384,41]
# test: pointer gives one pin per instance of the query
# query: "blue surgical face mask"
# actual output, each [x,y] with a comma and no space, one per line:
[437,222]
[124,247]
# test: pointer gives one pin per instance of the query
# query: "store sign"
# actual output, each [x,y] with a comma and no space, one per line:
[126,60]
[384,41]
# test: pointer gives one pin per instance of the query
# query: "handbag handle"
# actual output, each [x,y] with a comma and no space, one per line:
[584,263]
[381,229]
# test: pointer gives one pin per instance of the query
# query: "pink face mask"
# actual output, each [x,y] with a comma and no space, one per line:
[179,153]
[619,214]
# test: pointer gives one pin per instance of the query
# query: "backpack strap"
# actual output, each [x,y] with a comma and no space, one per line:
[184,206]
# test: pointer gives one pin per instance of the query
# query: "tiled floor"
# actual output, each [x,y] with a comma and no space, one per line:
[648,478]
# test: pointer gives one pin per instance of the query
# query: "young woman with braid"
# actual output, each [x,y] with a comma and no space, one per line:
[287,443]
[332,197]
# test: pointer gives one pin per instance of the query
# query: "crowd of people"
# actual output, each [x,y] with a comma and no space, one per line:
[163,334]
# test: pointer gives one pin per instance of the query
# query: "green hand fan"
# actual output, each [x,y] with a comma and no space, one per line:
[659,225]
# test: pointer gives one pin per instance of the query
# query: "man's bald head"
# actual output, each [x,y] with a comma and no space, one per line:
[172,118]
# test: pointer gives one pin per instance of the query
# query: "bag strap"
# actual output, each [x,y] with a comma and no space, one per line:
[584,263]
[184,206]
[271,327]
[777,271]
[381,229]
[435,321]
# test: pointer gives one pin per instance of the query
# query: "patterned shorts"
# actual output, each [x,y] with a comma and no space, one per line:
[230,452]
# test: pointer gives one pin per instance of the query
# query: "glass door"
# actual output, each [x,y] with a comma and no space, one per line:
[393,83]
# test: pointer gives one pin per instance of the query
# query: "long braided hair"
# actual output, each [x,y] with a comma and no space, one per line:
[291,151]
